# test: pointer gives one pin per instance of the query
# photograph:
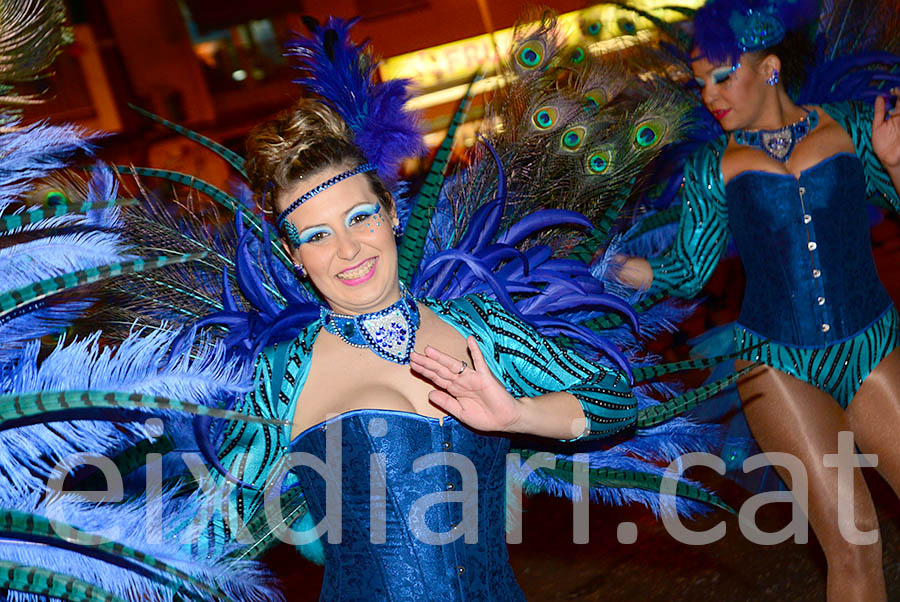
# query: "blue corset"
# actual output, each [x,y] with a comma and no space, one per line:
[805,246]
[427,523]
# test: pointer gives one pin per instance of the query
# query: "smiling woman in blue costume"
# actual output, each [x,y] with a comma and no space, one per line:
[350,370]
[408,401]
[790,182]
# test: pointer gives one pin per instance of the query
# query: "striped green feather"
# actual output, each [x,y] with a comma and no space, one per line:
[412,245]
[263,534]
[131,459]
[14,523]
[609,477]
[11,222]
[653,415]
[646,373]
[16,406]
[35,291]
[233,159]
[599,234]
[219,196]
[43,582]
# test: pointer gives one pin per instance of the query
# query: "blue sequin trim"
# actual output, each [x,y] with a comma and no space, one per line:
[321,187]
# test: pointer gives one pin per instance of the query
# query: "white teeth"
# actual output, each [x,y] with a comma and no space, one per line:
[362,270]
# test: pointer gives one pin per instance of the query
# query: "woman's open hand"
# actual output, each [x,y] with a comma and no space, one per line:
[472,394]
[886,132]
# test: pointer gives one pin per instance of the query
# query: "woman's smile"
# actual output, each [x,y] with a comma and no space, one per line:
[359,273]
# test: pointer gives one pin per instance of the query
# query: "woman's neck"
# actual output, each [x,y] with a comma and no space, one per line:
[778,111]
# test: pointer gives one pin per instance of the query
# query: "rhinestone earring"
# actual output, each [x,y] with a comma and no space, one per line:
[397,230]
[773,79]
[299,270]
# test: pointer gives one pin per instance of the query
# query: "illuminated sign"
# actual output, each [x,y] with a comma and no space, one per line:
[456,62]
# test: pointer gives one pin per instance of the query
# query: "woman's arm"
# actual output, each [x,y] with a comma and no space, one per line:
[525,383]
[684,268]
[474,396]
[886,138]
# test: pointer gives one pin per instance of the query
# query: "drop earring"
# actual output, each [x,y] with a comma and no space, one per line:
[397,229]
[299,270]
[773,78]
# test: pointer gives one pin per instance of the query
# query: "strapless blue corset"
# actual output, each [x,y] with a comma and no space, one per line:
[805,246]
[420,510]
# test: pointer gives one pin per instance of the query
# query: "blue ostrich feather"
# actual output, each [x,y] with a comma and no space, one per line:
[133,525]
[549,290]
[250,281]
[69,250]
[143,363]
[341,73]
[36,260]
[103,186]
[268,320]
[33,152]
[40,320]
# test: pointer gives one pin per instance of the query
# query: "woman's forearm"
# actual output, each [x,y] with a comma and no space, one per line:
[894,174]
[556,415]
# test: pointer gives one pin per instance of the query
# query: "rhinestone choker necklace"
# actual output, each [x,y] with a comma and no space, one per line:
[780,143]
[390,332]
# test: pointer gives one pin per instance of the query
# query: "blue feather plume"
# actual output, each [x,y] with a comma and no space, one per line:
[135,524]
[143,363]
[33,152]
[341,73]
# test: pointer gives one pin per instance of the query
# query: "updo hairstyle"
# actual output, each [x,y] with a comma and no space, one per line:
[794,51]
[302,141]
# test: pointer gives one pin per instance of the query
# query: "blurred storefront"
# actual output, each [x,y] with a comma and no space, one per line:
[217,66]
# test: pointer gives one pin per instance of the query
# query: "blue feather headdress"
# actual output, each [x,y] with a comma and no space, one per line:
[725,29]
[341,74]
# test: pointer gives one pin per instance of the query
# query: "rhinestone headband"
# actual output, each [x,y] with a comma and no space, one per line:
[279,222]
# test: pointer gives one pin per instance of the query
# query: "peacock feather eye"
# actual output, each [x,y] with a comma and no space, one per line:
[55,197]
[649,133]
[578,55]
[627,26]
[598,162]
[594,28]
[573,138]
[531,54]
[545,118]
[595,98]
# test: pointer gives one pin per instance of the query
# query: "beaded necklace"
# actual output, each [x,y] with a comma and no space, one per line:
[390,332]
[780,143]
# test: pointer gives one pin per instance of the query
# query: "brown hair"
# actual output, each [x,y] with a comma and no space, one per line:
[307,138]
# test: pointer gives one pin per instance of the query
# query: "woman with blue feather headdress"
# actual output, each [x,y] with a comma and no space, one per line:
[417,379]
[369,378]
[802,140]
